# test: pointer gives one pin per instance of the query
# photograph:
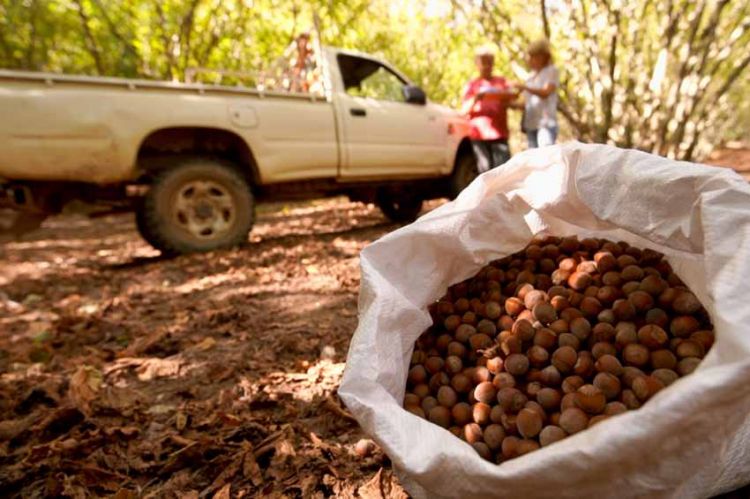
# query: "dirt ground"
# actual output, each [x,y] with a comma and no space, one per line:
[127,375]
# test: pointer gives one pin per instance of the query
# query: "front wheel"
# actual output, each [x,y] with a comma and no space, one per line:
[197,205]
[399,206]
[463,174]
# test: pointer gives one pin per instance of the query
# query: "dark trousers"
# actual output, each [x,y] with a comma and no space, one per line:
[490,153]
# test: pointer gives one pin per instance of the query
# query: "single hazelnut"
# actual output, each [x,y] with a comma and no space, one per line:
[603,348]
[480,374]
[453,364]
[545,338]
[687,365]
[607,294]
[511,399]
[417,375]
[495,365]
[551,434]
[573,420]
[469,318]
[461,413]
[411,399]
[487,327]
[440,415]
[483,450]
[629,399]
[689,348]
[496,414]
[514,306]
[666,376]
[684,325]
[657,317]
[560,276]
[554,418]
[524,330]
[559,303]
[587,266]
[653,285]
[525,446]
[581,328]
[537,356]
[605,261]
[625,260]
[615,408]
[560,326]
[456,349]
[686,303]
[485,392]
[653,337]
[480,341]
[568,401]
[612,278]
[509,423]
[636,355]
[608,364]
[569,244]
[597,419]
[663,359]
[549,398]
[452,322]
[422,390]
[623,310]
[447,396]
[704,338]
[516,364]
[590,399]
[590,306]
[464,332]
[564,359]
[584,365]
[480,413]
[625,334]
[434,364]
[509,447]
[579,280]
[609,385]
[416,410]
[629,373]
[572,383]
[473,433]
[641,301]
[503,380]
[532,387]
[645,387]
[461,383]
[493,436]
[603,332]
[550,376]
[544,313]
[529,423]
[492,310]
[428,403]
[606,316]
[510,344]
[570,340]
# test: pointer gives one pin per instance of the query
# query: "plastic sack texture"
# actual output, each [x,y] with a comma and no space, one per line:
[691,440]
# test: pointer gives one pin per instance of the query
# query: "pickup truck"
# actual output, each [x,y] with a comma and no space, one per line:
[192,159]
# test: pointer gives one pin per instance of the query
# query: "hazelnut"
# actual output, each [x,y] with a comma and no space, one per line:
[440,415]
[416,410]
[456,349]
[480,341]
[579,280]
[447,396]
[568,401]
[684,325]
[544,313]
[503,380]
[452,322]
[573,420]
[612,278]
[564,359]
[417,375]
[496,414]
[641,301]
[428,403]
[559,303]
[511,399]
[569,244]
[667,296]
[572,383]
[560,326]
[483,450]
[549,398]
[524,330]
[509,423]
[493,436]
[526,446]
[529,423]
[480,413]
[608,364]
[597,419]
[645,387]
[514,306]
[492,310]
[584,365]
[434,364]
[480,374]
[545,338]
[550,376]
[603,348]
[606,316]
[590,306]
[461,413]
[607,294]
[510,344]
[609,385]
[629,399]
[535,406]
[509,447]
[632,273]
[411,399]
[603,332]
[533,297]
[487,327]
[686,303]
[571,312]
[658,317]
[605,261]
[625,260]
[464,332]
[551,434]
[422,390]
[663,359]
[704,338]
[653,285]
[591,399]
[554,418]
[570,340]
[689,348]
[516,364]
[580,327]
[666,376]
[472,433]
[453,364]
[652,336]
[587,266]
[485,392]
[623,310]
[538,356]
[469,318]
[636,355]
[625,334]
[560,276]
[687,365]
[629,373]
[461,383]
[615,408]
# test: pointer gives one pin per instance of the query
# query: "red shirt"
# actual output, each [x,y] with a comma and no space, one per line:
[489,117]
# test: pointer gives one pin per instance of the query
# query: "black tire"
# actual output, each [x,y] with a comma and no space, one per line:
[463,174]
[197,205]
[398,206]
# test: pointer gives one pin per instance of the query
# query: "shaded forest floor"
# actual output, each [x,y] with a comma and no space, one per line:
[124,374]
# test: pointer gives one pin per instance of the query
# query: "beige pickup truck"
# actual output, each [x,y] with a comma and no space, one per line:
[192,159]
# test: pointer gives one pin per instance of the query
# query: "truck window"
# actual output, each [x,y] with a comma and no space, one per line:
[367,78]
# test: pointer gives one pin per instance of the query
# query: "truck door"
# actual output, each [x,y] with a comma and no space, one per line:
[384,136]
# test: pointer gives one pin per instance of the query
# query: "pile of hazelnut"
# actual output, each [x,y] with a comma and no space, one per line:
[549,341]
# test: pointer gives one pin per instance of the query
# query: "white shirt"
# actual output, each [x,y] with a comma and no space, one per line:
[541,112]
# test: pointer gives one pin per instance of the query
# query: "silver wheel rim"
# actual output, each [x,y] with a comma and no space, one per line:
[204,208]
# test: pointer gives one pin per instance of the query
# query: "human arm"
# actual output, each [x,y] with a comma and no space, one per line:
[543,92]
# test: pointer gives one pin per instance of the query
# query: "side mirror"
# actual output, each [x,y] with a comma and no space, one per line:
[414,95]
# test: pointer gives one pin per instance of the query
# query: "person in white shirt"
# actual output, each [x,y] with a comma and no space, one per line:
[540,96]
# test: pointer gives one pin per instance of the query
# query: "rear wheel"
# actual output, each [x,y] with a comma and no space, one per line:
[463,174]
[198,205]
[398,205]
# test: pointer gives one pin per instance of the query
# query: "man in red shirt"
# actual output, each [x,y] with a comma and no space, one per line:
[485,103]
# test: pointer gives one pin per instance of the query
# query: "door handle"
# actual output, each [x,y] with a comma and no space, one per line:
[356,111]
